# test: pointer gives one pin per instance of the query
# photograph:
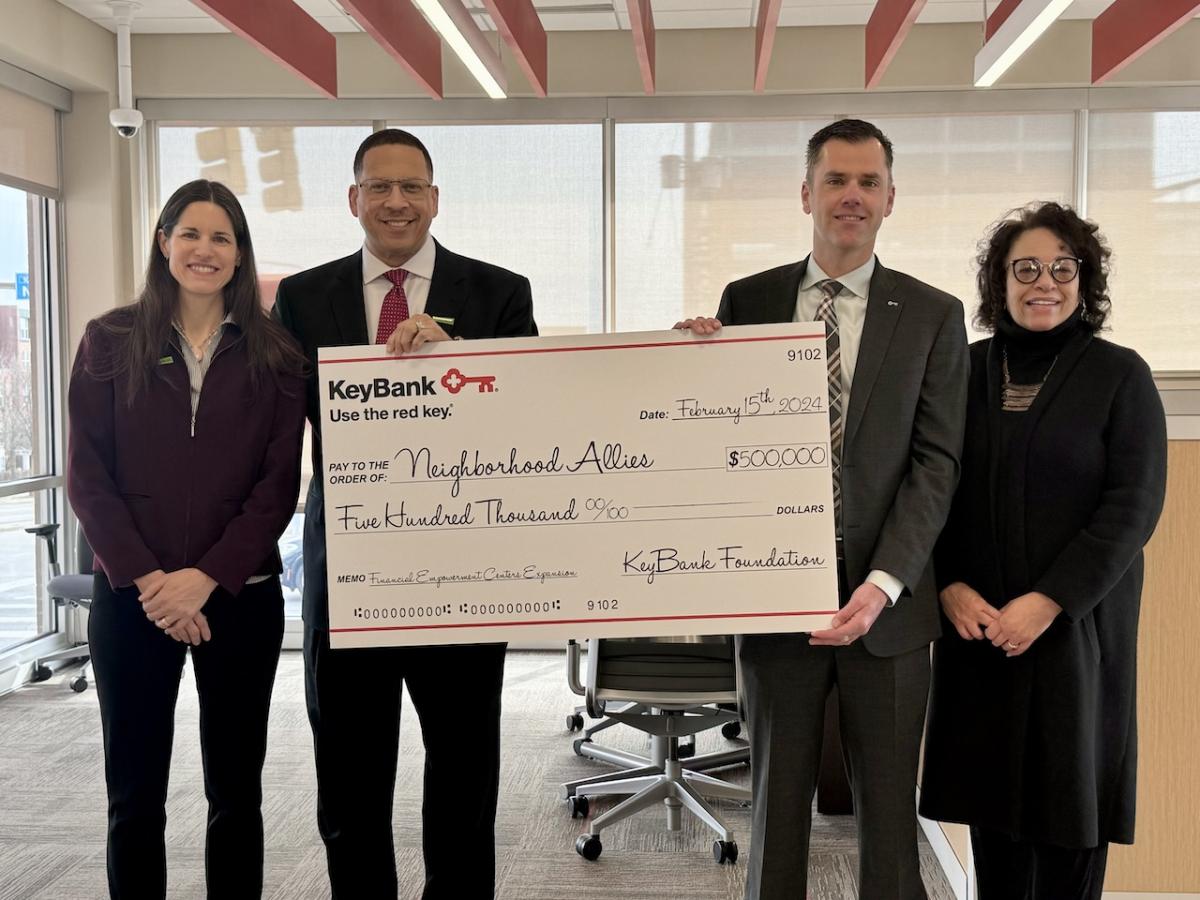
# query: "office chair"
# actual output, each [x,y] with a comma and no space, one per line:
[73,590]
[669,688]
[575,720]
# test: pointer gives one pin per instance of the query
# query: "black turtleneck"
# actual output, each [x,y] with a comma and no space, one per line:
[1032,353]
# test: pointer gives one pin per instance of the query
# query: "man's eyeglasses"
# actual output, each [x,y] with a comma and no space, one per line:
[411,188]
[1064,270]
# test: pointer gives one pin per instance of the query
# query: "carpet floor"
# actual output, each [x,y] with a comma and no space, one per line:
[52,806]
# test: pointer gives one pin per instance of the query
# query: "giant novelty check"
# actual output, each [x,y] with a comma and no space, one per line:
[593,486]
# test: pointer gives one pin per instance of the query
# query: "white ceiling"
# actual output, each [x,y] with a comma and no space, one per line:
[181,16]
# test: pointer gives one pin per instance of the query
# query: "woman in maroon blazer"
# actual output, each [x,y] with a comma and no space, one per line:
[186,420]
[1032,733]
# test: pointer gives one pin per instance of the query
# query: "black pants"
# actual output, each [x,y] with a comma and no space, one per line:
[138,668]
[881,700]
[1009,869]
[354,701]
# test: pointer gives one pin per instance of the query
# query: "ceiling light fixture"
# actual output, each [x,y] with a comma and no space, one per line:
[1026,24]
[454,23]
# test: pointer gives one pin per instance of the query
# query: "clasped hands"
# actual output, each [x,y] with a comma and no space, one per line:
[173,602]
[1013,628]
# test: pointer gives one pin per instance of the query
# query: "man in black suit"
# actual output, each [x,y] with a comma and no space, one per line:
[403,289]
[897,358]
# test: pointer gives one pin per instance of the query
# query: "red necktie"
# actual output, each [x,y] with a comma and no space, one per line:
[395,306]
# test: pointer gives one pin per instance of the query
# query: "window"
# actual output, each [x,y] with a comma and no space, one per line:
[28,453]
[291,181]
[955,176]
[528,198]
[1144,193]
[699,204]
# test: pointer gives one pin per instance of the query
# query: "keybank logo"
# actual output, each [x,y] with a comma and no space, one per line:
[454,381]
[380,388]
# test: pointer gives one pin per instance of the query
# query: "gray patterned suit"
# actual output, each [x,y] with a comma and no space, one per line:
[900,465]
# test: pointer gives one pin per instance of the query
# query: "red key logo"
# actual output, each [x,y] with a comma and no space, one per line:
[454,381]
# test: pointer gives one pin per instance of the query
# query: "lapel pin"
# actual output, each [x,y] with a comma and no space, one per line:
[893,303]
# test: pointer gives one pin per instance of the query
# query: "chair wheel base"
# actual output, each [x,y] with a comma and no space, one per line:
[588,846]
[40,673]
[578,745]
[78,684]
[725,852]
[578,807]
[574,722]
[731,730]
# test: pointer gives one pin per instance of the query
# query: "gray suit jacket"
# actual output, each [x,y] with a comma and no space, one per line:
[903,434]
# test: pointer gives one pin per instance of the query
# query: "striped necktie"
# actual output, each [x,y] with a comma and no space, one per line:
[833,353]
[395,306]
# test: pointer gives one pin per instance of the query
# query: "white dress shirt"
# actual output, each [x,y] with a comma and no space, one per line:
[416,286]
[851,307]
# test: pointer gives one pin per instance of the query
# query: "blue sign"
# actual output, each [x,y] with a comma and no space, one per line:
[22,285]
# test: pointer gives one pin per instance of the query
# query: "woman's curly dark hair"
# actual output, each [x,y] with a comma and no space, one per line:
[1082,236]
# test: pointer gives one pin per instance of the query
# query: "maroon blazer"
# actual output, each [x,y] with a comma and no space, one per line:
[151,494]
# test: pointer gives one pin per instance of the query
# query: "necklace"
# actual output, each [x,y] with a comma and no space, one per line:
[197,349]
[1019,397]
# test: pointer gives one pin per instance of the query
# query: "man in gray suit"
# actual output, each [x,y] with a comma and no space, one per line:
[897,366]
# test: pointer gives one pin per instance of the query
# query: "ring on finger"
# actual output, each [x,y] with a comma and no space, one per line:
[845,639]
[1010,645]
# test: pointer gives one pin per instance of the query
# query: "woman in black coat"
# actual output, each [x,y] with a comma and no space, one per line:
[1032,735]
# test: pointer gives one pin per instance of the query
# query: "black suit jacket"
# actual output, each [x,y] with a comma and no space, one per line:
[903,433]
[324,307]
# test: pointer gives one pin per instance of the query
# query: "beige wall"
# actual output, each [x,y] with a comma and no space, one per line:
[1166,856]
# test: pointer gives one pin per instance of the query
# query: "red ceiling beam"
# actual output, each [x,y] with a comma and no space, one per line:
[401,30]
[998,17]
[641,21]
[887,28]
[284,32]
[519,25]
[1129,28]
[764,40]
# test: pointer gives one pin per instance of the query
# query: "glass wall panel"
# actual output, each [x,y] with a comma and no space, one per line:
[291,180]
[955,175]
[24,430]
[23,568]
[528,198]
[26,391]
[699,204]
[1144,193]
